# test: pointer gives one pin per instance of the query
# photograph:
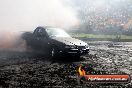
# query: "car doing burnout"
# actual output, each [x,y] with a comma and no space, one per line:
[55,42]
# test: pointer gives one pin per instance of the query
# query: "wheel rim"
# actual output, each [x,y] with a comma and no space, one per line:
[52,52]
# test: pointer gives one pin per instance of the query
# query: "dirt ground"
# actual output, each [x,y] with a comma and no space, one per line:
[25,69]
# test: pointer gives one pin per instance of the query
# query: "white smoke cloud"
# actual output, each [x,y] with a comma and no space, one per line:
[27,14]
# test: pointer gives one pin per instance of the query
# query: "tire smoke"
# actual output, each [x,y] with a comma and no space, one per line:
[25,15]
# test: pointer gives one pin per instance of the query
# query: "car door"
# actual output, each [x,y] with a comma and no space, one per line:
[42,40]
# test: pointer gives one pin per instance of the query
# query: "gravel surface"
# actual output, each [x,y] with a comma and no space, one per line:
[25,69]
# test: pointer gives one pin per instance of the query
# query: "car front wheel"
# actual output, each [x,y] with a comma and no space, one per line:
[53,53]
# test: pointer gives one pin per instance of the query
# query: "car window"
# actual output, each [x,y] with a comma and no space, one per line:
[57,32]
[41,33]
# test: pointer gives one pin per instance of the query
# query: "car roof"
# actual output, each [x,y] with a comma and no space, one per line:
[44,27]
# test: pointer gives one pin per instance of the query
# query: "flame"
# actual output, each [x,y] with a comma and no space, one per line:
[81,71]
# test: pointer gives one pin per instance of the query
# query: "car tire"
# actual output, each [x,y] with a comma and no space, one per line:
[54,52]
